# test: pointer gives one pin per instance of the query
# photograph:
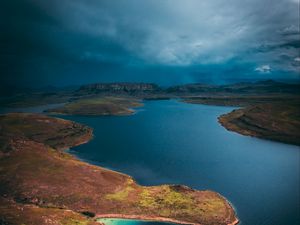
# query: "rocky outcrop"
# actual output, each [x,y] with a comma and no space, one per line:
[119,88]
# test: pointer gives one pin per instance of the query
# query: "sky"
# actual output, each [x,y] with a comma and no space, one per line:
[72,42]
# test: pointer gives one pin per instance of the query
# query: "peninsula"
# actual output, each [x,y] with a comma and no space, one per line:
[42,184]
[277,122]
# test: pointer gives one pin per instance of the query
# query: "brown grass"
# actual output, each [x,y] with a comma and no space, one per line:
[35,174]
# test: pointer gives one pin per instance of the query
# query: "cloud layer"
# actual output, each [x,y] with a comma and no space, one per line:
[108,37]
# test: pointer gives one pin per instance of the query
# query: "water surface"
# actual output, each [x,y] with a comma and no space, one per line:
[177,143]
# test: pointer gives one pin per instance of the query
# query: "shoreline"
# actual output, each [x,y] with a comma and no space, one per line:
[85,137]
[151,218]
[69,152]
[242,121]
[144,218]
[140,217]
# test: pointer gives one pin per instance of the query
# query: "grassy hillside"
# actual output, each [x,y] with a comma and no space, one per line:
[278,122]
[43,185]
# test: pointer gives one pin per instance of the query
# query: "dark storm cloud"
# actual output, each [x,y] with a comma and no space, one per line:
[72,41]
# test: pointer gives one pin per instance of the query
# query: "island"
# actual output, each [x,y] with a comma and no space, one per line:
[40,183]
[98,106]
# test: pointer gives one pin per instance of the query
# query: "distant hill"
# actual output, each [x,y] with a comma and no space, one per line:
[260,87]
[253,88]
[149,91]
[118,88]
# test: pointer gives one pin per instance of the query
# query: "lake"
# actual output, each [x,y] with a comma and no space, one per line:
[177,143]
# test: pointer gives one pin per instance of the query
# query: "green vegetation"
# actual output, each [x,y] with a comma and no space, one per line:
[147,200]
[122,194]
[167,201]
[164,196]
[71,221]
[170,201]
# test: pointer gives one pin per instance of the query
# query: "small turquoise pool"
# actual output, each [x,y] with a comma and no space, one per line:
[110,221]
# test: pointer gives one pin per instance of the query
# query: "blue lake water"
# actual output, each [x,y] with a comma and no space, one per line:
[177,143]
